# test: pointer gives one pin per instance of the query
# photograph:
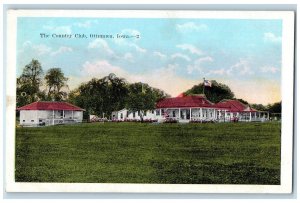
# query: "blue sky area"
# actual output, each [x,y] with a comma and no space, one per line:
[171,54]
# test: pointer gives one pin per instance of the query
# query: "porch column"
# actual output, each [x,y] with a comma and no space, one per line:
[190,113]
[201,113]
[52,117]
[63,113]
[160,112]
[250,117]
[179,114]
[268,116]
[72,114]
[255,116]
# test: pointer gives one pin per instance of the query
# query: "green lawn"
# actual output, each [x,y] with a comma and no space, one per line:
[223,153]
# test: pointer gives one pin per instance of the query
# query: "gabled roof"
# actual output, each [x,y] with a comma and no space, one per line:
[234,106]
[185,101]
[49,105]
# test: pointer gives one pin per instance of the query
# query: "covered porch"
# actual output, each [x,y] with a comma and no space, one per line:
[192,114]
[56,117]
[253,116]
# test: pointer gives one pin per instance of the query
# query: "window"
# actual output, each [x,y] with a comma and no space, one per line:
[121,115]
[61,113]
[174,115]
[40,120]
[127,114]
[32,120]
[152,111]
[23,120]
[133,114]
[139,113]
[162,111]
[157,112]
[146,113]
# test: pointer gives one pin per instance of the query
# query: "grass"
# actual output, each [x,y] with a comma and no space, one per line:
[223,153]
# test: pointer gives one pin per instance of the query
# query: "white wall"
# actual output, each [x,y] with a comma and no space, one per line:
[34,117]
[122,115]
[28,117]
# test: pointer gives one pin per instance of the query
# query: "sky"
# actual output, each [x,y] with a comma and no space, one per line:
[170,54]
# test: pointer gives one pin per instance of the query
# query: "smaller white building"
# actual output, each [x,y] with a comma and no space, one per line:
[49,113]
[125,114]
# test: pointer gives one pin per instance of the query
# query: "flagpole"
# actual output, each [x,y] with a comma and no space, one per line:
[203,85]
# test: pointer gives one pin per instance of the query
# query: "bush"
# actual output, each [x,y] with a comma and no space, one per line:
[170,120]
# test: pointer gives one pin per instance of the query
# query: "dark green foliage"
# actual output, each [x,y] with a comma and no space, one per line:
[108,94]
[101,96]
[56,81]
[141,97]
[223,153]
[29,83]
[271,108]
[274,108]
[243,101]
[259,107]
[215,93]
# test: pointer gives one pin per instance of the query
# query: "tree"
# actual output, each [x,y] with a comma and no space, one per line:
[56,81]
[274,108]
[142,97]
[243,101]
[29,83]
[259,107]
[101,96]
[215,93]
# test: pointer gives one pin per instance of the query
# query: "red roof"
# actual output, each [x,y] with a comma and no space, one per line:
[186,101]
[47,105]
[234,106]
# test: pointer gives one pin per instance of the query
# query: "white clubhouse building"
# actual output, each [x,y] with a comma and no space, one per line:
[195,108]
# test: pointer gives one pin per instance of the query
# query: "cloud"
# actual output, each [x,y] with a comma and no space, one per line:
[242,67]
[217,72]
[58,29]
[101,68]
[191,48]
[198,64]
[61,50]
[137,48]
[269,69]
[191,27]
[39,49]
[100,44]
[181,56]
[271,37]
[159,54]
[85,24]
[129,57]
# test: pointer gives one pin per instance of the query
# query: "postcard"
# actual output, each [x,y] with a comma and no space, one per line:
[149,101]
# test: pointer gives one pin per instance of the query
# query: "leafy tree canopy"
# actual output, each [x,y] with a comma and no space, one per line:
[215,93]
[142,97]
[56,81]
[29,83]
